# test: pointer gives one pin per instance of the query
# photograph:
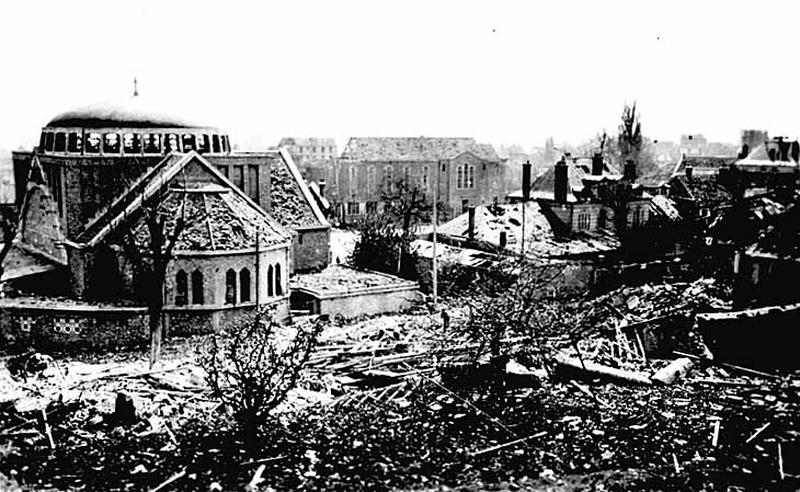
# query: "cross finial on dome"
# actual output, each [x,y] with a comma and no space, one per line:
[135,87]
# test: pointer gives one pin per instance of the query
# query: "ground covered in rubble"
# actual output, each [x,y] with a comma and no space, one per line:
[376,412]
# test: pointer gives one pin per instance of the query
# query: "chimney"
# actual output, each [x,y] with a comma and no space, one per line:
[471,226]
[526,181]
[503,239]
[560,191]
[597,164]
[630,170]
[321,185]
[689,172]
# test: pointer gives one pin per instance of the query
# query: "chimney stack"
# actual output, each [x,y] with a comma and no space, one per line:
[689,172]
[597,164]
[321,185]
[471,226]
[560,191]
[630,170]
[526,181]
[503,239]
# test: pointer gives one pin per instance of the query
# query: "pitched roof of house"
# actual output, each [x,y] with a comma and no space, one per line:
[760,157]
[704,190]
[218,215]
[414,149]
[702,164]
[292,202]
[577,170]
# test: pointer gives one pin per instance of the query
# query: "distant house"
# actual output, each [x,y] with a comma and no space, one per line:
[467,173]
[767,270]
[315,157]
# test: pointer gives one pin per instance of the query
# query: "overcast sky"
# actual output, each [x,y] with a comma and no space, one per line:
[502,72]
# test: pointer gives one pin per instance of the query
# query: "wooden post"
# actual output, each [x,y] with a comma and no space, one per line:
[434,261]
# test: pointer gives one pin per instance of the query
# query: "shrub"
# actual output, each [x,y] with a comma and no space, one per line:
[252,364]
[384,247]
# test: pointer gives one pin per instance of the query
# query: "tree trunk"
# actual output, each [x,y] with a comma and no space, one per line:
[155,336]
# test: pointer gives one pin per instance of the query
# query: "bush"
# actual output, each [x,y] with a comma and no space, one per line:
[383,247]
[252,364]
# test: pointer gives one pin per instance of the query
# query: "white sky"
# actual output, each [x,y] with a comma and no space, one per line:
[502,72]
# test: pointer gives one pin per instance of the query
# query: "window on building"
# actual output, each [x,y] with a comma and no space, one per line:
[61,142]
[270,281]
[407,175]
[351,177]
[197,287]
[602,217]
[111,144]
[460,177]
[189,142]
[230,287]
[352,208]
[372,207]
[152,143]
[425,172]
[48,141]
[464,206]
[637,216]
[131,143]
[226,145]
[74,142]
[171,143]
[278,283]
[252,179]
[215,144]
[388,179]
[238,177]
[181,288]
[371,179]
[43,140]
[583,221]
[203,143]
[92,143]
[244,284]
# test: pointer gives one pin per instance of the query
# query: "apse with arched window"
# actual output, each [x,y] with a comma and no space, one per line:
[244,285]
[230,287]
[197,287]
[181,288]
[278,285]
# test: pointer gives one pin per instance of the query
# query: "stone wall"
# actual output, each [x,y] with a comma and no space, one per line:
[311,248]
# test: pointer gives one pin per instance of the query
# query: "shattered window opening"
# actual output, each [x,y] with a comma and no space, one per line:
[181,288]
[197,287]
[244,284]
[230,287]
[111,143]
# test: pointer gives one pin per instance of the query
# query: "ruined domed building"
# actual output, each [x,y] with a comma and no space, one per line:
[105,181]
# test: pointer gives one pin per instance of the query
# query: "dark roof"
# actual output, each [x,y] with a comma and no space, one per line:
[658,176]
[225,218]
[703,162]
[412,149]
[783,240]
[131,113]
[704,190]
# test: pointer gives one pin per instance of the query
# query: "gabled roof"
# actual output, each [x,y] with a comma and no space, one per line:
[703,164]
[704,190]
[411,149]
[577,170]
[225,218]
[760,156]
[293,205]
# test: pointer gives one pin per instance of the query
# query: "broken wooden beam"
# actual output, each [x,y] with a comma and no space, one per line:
[592,369]
[674,370]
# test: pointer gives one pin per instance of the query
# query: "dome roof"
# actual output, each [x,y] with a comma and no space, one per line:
[131,113]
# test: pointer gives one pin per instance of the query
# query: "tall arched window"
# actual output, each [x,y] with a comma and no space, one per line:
[181,288]
[270,280]
[278,285]
[460,180]
[244,284]
[388,179]
[197,287]
[230,287]
[352,180]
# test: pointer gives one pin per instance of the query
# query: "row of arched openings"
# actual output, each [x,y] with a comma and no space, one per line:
[238,286]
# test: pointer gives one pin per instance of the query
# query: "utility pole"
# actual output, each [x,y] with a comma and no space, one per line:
[434,262]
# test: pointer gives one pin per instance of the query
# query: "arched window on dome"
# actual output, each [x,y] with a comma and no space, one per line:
[152,143]
[215,144]
[131,143]
[111,143]
[171,143]
[92,143]
[203,143]
[61,142]
[244,285]
[189,142]
[74,142]
[48,141]
[42,140]
[230,287]
[181,288]
[226,145]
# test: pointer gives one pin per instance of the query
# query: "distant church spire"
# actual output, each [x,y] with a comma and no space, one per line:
[135,87]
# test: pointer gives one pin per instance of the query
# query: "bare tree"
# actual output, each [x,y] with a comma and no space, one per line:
[150,249]
[407,202]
